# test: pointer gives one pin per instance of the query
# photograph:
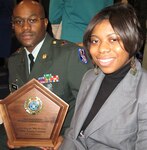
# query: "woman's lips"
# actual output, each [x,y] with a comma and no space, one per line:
[105,61]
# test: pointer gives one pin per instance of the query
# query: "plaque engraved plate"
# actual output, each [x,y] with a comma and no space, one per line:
[33,116]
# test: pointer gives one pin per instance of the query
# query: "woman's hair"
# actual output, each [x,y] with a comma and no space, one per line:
[124,22]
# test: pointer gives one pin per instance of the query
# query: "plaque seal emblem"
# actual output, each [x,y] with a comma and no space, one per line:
[33,105]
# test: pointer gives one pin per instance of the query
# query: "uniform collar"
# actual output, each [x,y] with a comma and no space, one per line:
[35,50]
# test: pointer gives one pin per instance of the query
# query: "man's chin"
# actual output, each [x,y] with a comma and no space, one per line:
[29,46]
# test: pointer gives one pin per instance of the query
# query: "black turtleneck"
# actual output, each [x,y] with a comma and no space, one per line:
[109,83]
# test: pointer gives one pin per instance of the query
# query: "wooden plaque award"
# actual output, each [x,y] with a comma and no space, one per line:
[33,116]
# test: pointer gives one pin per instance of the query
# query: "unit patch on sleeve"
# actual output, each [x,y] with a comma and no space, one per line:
[82,55]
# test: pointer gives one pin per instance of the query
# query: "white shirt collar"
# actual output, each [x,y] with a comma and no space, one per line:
[35,50]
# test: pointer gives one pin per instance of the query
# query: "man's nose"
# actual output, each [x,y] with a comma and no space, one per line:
[26,24]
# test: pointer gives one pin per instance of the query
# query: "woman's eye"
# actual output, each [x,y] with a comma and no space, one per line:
[113,40]
[94,41]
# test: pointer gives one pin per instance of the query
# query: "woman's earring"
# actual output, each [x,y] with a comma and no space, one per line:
[96,70]
[133,66]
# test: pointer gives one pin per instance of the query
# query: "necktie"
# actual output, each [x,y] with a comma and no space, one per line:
[31,57]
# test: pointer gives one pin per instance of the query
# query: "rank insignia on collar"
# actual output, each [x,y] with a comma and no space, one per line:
[54,42]
[63,43]
[44,56]
[82,55]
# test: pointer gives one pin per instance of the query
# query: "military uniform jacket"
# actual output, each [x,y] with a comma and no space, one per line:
[57,58]
[120,124]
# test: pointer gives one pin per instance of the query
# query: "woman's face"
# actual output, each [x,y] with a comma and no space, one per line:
[107,49]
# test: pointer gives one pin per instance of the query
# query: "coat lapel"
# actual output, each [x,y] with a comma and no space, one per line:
[121,98]
[87,98]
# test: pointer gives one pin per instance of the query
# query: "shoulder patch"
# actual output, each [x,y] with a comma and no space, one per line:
[82,55]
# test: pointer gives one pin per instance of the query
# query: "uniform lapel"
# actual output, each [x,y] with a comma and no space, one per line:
[122,97]
[43,60]
[21,67]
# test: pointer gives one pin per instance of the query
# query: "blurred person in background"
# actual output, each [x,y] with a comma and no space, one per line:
[74,16]
[6,7]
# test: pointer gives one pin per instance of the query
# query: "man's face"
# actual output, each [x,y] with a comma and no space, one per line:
[29,25]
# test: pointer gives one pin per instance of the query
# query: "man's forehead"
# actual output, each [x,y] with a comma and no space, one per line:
[27,4]
[27,9]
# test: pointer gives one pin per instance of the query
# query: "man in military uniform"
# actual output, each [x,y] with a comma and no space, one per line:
[62,62]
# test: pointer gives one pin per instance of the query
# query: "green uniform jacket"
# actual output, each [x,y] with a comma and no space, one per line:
[58,58]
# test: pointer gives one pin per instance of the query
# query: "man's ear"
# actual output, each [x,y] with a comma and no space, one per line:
[13,26]
[46,22]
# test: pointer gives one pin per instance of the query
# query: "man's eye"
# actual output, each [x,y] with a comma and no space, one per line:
[19,22]
[33,20]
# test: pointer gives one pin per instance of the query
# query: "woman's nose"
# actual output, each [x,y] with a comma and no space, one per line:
[104,47]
